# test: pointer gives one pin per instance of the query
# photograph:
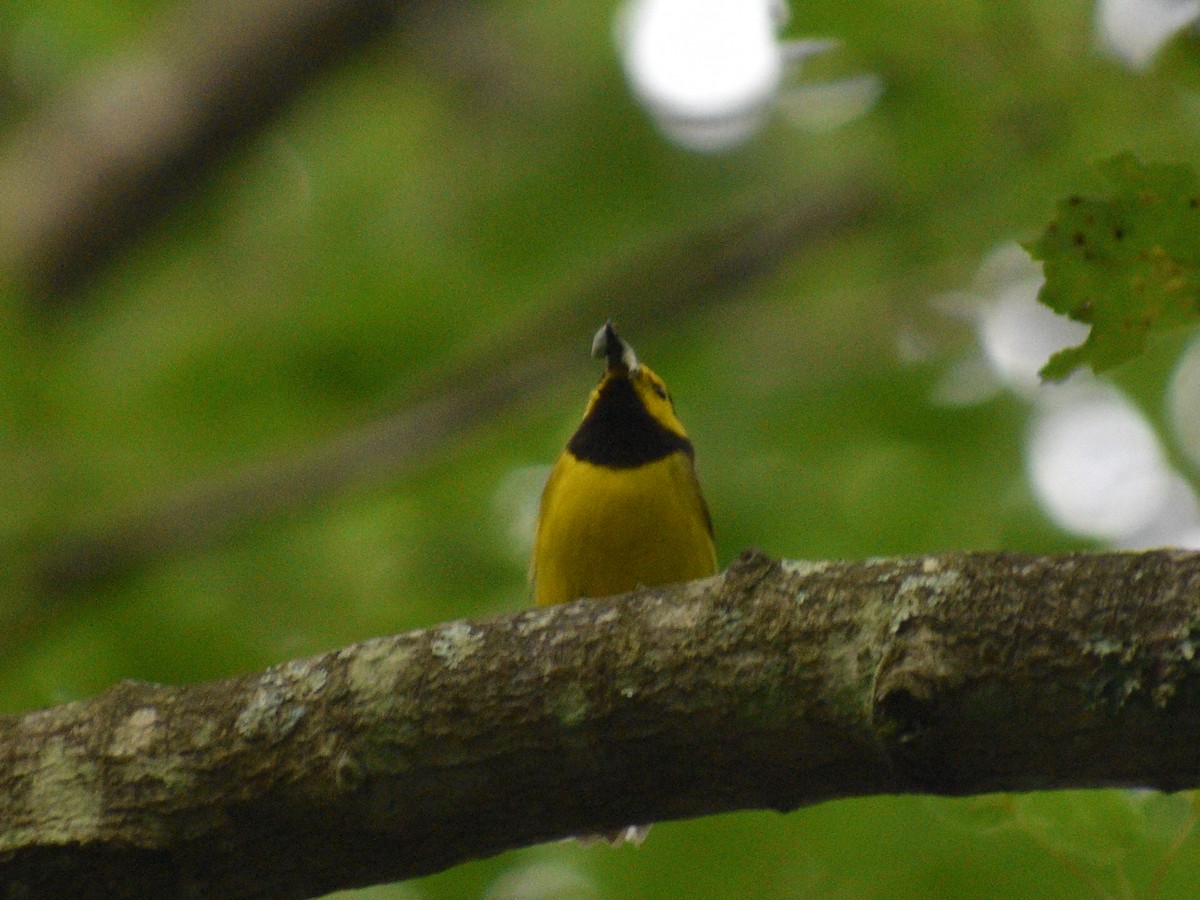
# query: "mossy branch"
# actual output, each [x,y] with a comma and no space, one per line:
[774,685]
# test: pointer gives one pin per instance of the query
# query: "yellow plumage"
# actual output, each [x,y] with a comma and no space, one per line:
[622,506]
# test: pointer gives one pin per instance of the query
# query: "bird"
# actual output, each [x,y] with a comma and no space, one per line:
[622,507]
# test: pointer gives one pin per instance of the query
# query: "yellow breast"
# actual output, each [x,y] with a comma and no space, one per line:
[606,530]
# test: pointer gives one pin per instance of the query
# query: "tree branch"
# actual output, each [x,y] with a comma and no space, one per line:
[774,685]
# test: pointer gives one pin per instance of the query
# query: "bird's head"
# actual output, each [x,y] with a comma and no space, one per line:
[627,377]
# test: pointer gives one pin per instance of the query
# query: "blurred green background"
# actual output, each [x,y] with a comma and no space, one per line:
[477,189]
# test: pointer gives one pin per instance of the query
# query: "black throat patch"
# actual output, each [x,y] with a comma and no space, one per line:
[619,433]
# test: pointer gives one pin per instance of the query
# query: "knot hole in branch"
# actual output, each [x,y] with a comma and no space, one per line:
[908,717]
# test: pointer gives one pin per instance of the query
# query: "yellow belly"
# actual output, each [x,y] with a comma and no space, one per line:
[606,531]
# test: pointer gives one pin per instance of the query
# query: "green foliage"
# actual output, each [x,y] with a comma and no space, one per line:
[1127,263]
[420,200]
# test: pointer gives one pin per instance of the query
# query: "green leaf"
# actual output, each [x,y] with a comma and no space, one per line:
[1128,263]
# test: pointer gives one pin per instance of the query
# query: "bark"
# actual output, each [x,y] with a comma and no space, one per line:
[773,685]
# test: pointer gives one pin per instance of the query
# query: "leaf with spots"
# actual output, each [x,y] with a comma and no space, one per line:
[1128,263]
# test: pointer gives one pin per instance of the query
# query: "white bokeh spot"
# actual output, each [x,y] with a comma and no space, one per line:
[1016,333]
[710,72]
[1134,30]
[517,501]
[1183,407]
[1019,335]
[1096,464]
[702,58]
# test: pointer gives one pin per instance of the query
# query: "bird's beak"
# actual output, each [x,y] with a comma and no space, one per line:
[608,344]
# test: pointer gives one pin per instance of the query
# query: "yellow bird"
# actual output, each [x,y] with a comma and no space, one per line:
[622,506]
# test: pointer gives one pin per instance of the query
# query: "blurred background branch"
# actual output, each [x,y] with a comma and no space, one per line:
[124,142]
[678,275]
